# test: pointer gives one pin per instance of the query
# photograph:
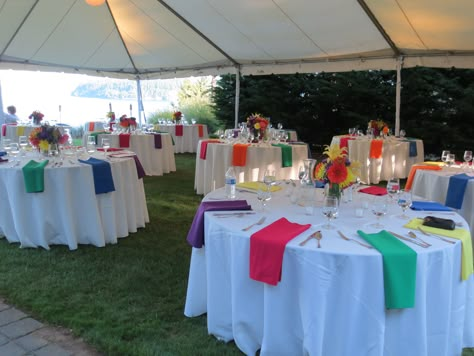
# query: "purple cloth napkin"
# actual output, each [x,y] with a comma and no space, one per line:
[157,140]
[140,171]
[196,232]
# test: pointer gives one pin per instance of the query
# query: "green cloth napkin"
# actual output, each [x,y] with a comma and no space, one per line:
[286,154]
[33,175]
[464,235]
[399,269]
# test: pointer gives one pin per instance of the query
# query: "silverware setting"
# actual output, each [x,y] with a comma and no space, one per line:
[424,232]
[233,215]
[259,222]
[353,240]
[318,237]
[416,242]
[414,236]
[312,236]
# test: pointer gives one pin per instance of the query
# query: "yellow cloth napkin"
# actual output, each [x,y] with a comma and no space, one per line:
[20,130]
[255,185]
[464,235]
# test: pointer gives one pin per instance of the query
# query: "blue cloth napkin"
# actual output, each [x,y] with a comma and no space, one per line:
[103,181]
[412,150]
[196,232]
[456,188]
[429,206]
[2,153]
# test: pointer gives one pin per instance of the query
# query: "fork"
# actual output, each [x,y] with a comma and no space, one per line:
[348,239]
[436,236]
[260,222]
[413,236]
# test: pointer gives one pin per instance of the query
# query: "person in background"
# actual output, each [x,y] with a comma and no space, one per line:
[10,117]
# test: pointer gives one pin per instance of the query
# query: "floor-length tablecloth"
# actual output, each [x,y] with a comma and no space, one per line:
[330,301]
[12,132]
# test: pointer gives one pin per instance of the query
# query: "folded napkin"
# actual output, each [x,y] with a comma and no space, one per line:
[414,168]
[256,185]
[343,141]
[267,247]
[20,130]
[178,130]
[140,170]
[239,154]
[461,234]
[456,188]
[286,154]
[103,181]
[428,206]
[196,233]
[124,140]
[33,175]
[203,150]
[376,149]
[2,153]
[399,269]
[200,130]
[157,141]
[374,190]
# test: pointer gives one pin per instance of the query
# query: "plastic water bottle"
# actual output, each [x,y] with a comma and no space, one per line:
[230,183]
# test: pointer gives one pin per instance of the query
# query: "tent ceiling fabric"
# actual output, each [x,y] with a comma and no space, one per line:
[149,39]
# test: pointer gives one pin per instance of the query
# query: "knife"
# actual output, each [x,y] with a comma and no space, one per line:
[236,213]
[409,240]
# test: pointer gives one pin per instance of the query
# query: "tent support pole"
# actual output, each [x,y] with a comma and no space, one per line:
[397,95]
[140,101]
[237,97]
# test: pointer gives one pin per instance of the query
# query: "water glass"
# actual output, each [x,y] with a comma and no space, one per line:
[404,202]
[330,210]
[393,187]
[90,144]
[14,150]
[444,156]
[379,209]
[450,159]
[263,195]
[105,144]
[467,157]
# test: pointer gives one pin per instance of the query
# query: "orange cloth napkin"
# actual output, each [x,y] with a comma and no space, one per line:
[267,247]
[179,130]
[376,149]
[91,126]
[200,130]
[239,154]
[124,140]
[203,150]
[414,168]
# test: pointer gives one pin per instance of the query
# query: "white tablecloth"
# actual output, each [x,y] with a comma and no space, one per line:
[433,185]
[69,212]
[395,162]
[13,134]
[210,172]
[155,162]
[189,141]
[330,301]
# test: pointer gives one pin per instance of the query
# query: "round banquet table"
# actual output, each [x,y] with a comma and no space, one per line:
[14,131]
[69,212]
[330,300]
[394,163]
[189,141]
[210,172]
[155,161]
[433,185]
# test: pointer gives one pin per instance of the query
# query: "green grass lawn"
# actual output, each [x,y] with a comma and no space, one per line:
[124,299]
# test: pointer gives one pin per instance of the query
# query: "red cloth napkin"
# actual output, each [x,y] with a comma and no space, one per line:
[91,126]
[179,130]
[343,141]
[376,149]
[124,140]
[374,190]
[200,130]
[239,154]
[267,247]
[203,150]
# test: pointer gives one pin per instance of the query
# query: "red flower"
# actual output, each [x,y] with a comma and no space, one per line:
[337,173]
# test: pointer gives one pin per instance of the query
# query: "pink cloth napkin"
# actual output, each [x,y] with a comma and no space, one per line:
[267,247]
[374,190]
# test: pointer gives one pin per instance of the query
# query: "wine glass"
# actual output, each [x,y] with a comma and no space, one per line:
[402,133]
[280,126]
[14,150]
[105,145]
[450,159]
[379,209]
[404,202]
[269,177]
[263,194]
[330,210]
[444,155]
[393,187]
[23,142]
[301,174]
[90,144]
[467,157]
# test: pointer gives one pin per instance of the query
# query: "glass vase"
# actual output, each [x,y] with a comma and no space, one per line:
[332,189]
[309,166]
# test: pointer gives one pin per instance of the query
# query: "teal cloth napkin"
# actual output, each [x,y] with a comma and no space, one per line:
[33,176]
[399,269]
[286,154]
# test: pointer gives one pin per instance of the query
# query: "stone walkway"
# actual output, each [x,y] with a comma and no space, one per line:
[21,335]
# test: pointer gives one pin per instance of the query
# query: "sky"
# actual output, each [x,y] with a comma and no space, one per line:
[50,93]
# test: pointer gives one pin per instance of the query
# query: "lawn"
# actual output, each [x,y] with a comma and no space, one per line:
[124,299]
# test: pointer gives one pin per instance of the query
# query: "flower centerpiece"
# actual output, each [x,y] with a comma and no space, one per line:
[45,135]
[36,116]
[337,170]
[128,123]
[177,116]
[111,116]
[377,127]
[257,125]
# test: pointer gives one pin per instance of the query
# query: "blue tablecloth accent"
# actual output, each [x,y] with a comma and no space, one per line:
[429,206]
[103,181]
[456,189]
[412,151]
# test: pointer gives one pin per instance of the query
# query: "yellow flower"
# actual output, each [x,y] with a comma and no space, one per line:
[257,126]
[44,145]
[334,151]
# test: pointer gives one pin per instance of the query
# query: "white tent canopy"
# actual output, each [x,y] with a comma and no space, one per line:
[146,39]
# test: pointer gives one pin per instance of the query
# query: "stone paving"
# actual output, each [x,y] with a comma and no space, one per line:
[20,335]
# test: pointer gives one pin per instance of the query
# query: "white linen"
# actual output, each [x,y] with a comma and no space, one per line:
[155,162]
[327,294]
[12,131]
[395,162]
[69,212]
[433,185]
[189,141]
[210,172]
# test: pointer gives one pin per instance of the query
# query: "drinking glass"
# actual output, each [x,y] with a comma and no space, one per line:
[263,195]
[301,174]
[269,177]
[379,209]
[393,187]
[90,144]
[402,133]
[330,209]
[23,142]
[404,202]
[14,150]
[467,157]
[450,159]
[444,156]
[105,145]
[280,126]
